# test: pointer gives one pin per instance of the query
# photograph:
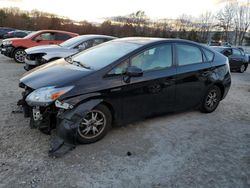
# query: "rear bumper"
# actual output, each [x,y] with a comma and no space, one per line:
[227,84]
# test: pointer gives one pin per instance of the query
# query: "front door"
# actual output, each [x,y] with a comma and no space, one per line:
[154,92]
[44,39]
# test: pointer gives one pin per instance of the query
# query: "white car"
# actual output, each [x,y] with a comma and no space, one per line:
[39,55]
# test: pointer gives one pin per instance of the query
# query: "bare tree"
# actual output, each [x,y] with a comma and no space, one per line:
[225,19]
[241,22]
[206,23]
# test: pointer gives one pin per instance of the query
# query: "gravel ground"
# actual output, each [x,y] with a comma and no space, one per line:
[187,149]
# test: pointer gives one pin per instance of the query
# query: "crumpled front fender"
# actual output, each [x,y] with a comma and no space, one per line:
[66,129]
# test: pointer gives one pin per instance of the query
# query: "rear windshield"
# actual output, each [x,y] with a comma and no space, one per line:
[104,54]
[218,49]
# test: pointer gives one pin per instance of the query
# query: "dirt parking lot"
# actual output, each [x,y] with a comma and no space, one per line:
[187,149]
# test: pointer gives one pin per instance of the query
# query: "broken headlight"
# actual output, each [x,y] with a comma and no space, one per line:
[46,95]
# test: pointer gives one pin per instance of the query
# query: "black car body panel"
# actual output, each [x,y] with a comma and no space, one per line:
[54,74]
[129,98]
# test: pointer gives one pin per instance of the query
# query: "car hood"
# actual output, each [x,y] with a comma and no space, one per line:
[58,73]
[44,49]
[13,39]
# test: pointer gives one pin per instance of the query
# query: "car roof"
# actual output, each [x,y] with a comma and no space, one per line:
[150,40]
[92,36]
[58,31]
[221,47]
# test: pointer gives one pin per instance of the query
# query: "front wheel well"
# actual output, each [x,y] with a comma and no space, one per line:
[111,109]
[17,48]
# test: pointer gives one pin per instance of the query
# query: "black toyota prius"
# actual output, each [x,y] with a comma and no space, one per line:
[119,82]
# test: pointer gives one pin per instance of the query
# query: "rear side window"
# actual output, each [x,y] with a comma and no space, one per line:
[188,54]
[62,36]
[209,55]
[156,58]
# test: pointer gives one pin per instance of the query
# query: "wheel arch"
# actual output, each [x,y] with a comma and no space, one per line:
[111,109]
[16,48]
[222,88]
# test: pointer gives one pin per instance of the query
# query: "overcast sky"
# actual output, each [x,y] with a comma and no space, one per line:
[94,10]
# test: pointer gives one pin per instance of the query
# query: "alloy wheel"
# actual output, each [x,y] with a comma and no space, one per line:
[242,68]
[212,99]
[20,56]
[92,125]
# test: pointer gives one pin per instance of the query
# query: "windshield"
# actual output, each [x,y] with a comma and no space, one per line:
[104,54]
[30,35]
[72,41]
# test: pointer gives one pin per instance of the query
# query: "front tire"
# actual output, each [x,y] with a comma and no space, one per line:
[242,68]
[211,100]
[19,55]
[94,125]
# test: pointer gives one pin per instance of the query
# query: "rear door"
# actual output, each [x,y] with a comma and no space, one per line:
[192,75]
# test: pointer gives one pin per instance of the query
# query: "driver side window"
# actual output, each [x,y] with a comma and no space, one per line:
[156,58]
[85,45]
[46,36]
[119,69]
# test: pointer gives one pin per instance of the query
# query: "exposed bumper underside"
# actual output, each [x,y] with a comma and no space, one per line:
[65,123]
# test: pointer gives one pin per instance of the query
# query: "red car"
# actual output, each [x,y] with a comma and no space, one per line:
[14,47]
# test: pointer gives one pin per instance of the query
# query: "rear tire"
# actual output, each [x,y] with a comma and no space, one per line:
[19,55]
[211,100]
[94,125]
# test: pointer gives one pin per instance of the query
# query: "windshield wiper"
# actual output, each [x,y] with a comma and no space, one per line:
[78,63]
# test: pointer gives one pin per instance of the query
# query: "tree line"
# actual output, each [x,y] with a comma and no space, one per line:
[230,24]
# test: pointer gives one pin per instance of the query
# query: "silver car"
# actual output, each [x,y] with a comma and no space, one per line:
[39,55]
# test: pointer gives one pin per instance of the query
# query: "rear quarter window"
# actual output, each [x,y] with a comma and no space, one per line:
[209,55]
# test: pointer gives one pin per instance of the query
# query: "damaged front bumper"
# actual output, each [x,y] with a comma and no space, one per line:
[64,117]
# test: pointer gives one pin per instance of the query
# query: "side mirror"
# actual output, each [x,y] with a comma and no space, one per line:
[134,71]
